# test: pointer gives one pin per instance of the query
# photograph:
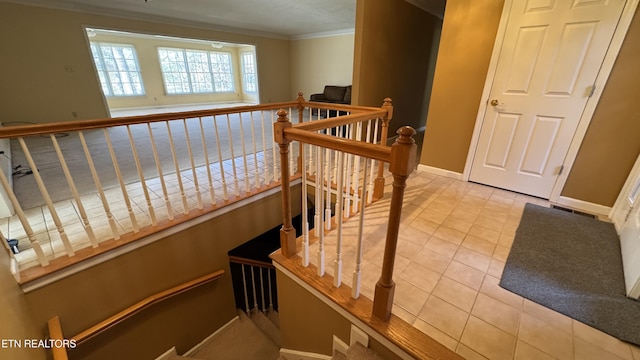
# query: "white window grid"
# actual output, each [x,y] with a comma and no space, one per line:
[188,71]
[118,69]
[249,72]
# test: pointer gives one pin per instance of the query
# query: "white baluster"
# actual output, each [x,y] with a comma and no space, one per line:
[47,199]
[246,291]
[267,177]
[357,273]
[253,283]
[372,176]
[193,165]
[247,183]
[225,192]
[205,151]
[35,245]
[96,180]
[134,151]
[165,193]
[337,266]
[347,169]
[276,156]
[185,204]
[123,187]
[356,171]
[74,191]
[264,303]
[317,219]
[320,224]
[327,211]
[255,153]
[270,292]
[305,212]
[236,187]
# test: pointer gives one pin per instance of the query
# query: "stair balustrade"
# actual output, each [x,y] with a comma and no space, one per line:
[351,140]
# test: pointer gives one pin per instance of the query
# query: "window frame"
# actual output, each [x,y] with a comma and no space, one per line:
[106,77]
[254,72]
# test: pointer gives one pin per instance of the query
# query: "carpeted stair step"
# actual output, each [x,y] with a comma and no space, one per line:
[265,323]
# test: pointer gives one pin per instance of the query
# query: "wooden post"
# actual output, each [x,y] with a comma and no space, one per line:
[378,187]
[287,232]
[403,153]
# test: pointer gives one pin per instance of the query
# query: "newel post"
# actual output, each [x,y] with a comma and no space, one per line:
[287,232]
[403,153]
[378,187]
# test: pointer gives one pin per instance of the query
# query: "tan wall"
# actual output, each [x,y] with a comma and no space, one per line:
[147,53]
[308,324]
[321,61]
[468,33]
[38,43]
[392,58]
[612,142]
[85,298]
[611,145]
[17,322]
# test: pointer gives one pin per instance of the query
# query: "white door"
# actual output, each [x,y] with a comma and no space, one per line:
[626,216]
[550,57]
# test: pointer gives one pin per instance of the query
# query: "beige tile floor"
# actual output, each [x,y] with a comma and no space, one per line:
[454,240]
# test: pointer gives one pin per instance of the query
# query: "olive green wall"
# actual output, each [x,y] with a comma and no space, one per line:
[17,322]
[610,146]
[393,48]
[90,296]
[38,43]
[308,324]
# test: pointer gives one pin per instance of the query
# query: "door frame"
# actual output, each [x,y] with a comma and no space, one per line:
[585,119]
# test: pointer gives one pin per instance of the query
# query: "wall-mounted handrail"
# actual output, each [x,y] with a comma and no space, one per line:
[55,333]
[143,304]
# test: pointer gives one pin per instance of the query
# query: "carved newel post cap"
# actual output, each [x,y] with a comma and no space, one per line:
[406,135]
[387,101]
[282,115]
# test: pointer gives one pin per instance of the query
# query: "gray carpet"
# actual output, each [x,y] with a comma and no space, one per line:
[572,264]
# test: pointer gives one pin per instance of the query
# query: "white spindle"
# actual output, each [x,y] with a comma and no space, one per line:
[246,290]
[357,273]
[256,168]
[305,211]
[320,205]
[134,151]
[96,180]
[193,165]
[267,177]
[356,171]
[253,283]
[205,151]
[165,193]
[123,187]
[35,245]
[225,192]
[183,196]
[337,266]
[247,183]
[270,292]
[236,187]
[327,210]
[317,219]
[74,191]
[372,176]
[276,173]
[347,175]
[264,303]
[47,199]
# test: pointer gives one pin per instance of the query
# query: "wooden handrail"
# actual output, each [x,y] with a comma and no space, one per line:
[251,262]
[55,333]
[374,151]
[141,305]
[340,120]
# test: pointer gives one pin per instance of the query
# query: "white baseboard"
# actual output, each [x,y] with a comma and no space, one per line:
[301,355]
[168,354]
[340,346]
[208,338]
[441,172]
[600,210]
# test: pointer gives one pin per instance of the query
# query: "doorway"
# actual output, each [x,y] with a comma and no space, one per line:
[545,72]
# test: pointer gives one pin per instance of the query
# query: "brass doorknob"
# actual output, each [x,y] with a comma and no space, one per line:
[495,102]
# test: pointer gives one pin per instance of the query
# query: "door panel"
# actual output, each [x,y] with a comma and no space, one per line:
[550,57]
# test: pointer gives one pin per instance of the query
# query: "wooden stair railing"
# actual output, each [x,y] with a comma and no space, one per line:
[55,329]
[400,157]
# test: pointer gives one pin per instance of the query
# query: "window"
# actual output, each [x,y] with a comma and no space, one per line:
[118,69]
[249,72]
[195,71]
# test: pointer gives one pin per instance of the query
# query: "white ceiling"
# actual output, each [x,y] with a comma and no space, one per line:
[279,18]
